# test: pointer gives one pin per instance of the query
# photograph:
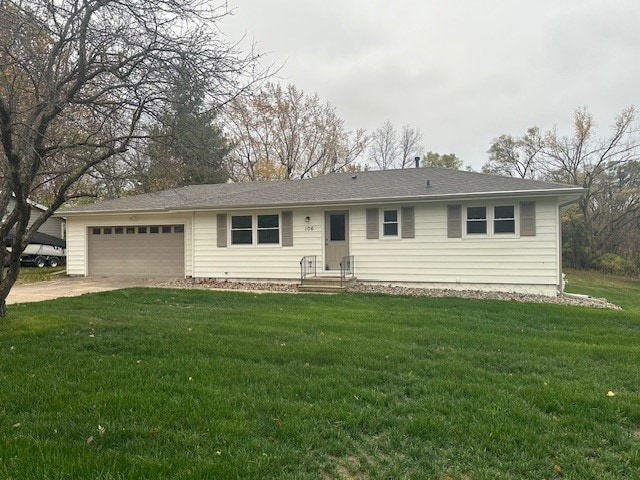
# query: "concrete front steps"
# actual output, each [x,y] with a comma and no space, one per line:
[326,284]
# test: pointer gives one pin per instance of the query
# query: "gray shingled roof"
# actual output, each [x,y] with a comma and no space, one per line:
[427,183]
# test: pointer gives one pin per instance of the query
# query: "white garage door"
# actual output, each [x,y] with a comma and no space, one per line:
[140,251]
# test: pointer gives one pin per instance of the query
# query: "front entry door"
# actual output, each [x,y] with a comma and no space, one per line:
[336,238]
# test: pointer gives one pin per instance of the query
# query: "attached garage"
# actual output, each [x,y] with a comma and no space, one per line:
[136,251]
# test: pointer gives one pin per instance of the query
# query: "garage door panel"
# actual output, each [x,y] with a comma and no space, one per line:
[136,251]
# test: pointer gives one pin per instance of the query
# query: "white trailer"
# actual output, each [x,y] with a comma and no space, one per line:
[41,255]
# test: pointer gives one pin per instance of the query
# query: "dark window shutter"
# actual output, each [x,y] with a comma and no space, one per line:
[373,230]
[454,221]
[408,222]
[287,228]
[527,219]
[222,230]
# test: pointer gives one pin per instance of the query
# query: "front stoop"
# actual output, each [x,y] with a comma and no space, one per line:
[326,284]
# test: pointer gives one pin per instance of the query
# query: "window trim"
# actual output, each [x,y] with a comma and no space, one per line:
[504,219]
[490,219]
[484,220]
[397,223]
[259,229]
[254,230]
[244,229]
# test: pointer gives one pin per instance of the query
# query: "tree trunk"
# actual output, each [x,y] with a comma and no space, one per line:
[3,308]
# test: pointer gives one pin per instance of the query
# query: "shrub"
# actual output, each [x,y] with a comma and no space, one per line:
[612,263]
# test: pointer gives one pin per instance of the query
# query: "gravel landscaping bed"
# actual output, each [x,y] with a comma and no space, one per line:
[566,299]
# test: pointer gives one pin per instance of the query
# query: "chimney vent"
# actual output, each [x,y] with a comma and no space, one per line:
[428,183]
[417,159]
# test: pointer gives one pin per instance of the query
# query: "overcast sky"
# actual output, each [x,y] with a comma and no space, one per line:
[463,71]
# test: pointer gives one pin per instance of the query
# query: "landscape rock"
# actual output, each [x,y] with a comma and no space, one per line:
[565,299]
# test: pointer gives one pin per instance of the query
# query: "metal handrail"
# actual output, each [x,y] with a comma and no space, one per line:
[307,266]
[346,268]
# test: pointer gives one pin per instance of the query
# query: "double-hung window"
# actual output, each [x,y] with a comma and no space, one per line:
[241,230]
[504,219]
[255,229]
[476,220]
[390,223]
[268,229]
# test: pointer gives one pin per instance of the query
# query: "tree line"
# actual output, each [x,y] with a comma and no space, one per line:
[601,230]
[272,132]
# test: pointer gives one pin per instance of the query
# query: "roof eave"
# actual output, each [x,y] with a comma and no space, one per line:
[566,193]
[570,192]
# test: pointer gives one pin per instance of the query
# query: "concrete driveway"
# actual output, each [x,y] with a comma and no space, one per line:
[73,287]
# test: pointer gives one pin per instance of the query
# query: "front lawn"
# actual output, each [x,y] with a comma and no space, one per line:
[189,384]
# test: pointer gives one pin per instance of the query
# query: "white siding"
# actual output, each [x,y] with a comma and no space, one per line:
[77,235]
[507,263]
[433,258]
[255,261]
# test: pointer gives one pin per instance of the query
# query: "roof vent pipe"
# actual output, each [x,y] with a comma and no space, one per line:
[428,183]
[417,159]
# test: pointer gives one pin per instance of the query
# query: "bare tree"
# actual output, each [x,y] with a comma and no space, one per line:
[591,162]
[384,147]
[606,219]
[78,80]
[284,133]
[410,146]
[515,156]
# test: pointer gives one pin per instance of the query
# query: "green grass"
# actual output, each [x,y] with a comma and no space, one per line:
[619,290]
[214,385]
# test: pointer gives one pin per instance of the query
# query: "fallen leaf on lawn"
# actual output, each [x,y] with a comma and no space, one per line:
[101,429]
[16,425]
[610,394]
[89,440]
[557,469]
[153,432]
